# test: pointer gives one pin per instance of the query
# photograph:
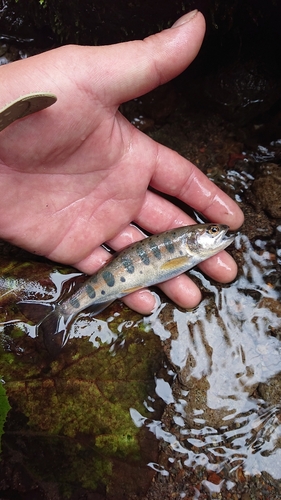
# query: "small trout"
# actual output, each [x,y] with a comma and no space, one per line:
[145,263]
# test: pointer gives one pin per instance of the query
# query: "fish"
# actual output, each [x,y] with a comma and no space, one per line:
[145,263]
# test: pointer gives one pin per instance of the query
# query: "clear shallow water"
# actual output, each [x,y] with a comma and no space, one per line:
[220,384]
[222,352]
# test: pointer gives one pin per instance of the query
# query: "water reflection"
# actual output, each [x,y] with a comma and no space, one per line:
[225,352]
[220,387]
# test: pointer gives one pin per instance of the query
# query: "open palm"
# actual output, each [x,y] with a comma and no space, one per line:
[77,174]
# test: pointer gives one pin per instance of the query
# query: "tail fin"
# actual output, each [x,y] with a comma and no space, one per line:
[33,310]
[52,329]
[51,323]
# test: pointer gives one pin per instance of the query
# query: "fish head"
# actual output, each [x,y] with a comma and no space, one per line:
[209,239]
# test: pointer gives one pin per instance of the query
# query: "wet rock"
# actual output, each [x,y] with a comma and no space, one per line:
[271,390]
[12,50]
[256,224]
[198,411]
[272,304]
[159,103]
[150,109]
[267,190]
[244,90]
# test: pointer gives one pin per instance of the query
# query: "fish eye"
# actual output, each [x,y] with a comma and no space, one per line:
[213,230]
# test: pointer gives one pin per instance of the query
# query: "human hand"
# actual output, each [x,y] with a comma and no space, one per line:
[77,174]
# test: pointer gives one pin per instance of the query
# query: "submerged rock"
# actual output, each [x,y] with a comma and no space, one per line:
[267,190]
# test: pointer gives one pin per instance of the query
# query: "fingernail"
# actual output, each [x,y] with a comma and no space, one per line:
[185,19]
[149,300]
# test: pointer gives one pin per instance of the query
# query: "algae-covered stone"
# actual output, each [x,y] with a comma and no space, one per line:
[77,407]
[70,422]
[4,408]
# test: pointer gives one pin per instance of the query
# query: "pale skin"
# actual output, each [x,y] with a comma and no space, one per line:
[75,175]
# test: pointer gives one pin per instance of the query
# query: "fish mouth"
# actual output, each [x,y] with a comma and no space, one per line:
[223,239]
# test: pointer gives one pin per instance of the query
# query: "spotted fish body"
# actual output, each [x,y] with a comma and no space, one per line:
[145,263]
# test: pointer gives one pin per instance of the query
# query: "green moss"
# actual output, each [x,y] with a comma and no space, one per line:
[78,406]
[4,408]
[71,415]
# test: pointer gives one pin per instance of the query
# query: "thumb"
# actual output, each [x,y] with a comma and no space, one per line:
[145,64]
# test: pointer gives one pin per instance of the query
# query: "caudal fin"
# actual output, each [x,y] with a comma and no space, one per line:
[33,310]
[52,330]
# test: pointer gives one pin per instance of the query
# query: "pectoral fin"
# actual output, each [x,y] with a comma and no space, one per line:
[175,263]
[131,290]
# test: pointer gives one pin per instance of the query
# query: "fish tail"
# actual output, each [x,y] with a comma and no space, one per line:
[52,330]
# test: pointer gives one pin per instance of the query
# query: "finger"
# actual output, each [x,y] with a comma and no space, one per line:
[221,267]
[181,290]
[159,214]
[145,64]
[179,178]
[125,70]
[142,301]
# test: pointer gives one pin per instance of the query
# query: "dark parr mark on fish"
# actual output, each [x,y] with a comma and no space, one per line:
[108,278]
[74,302]
[90,291]
[155,250]
[169,245]
[128,264]
[143,255]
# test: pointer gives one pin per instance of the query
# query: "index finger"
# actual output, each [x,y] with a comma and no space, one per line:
[178,177]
